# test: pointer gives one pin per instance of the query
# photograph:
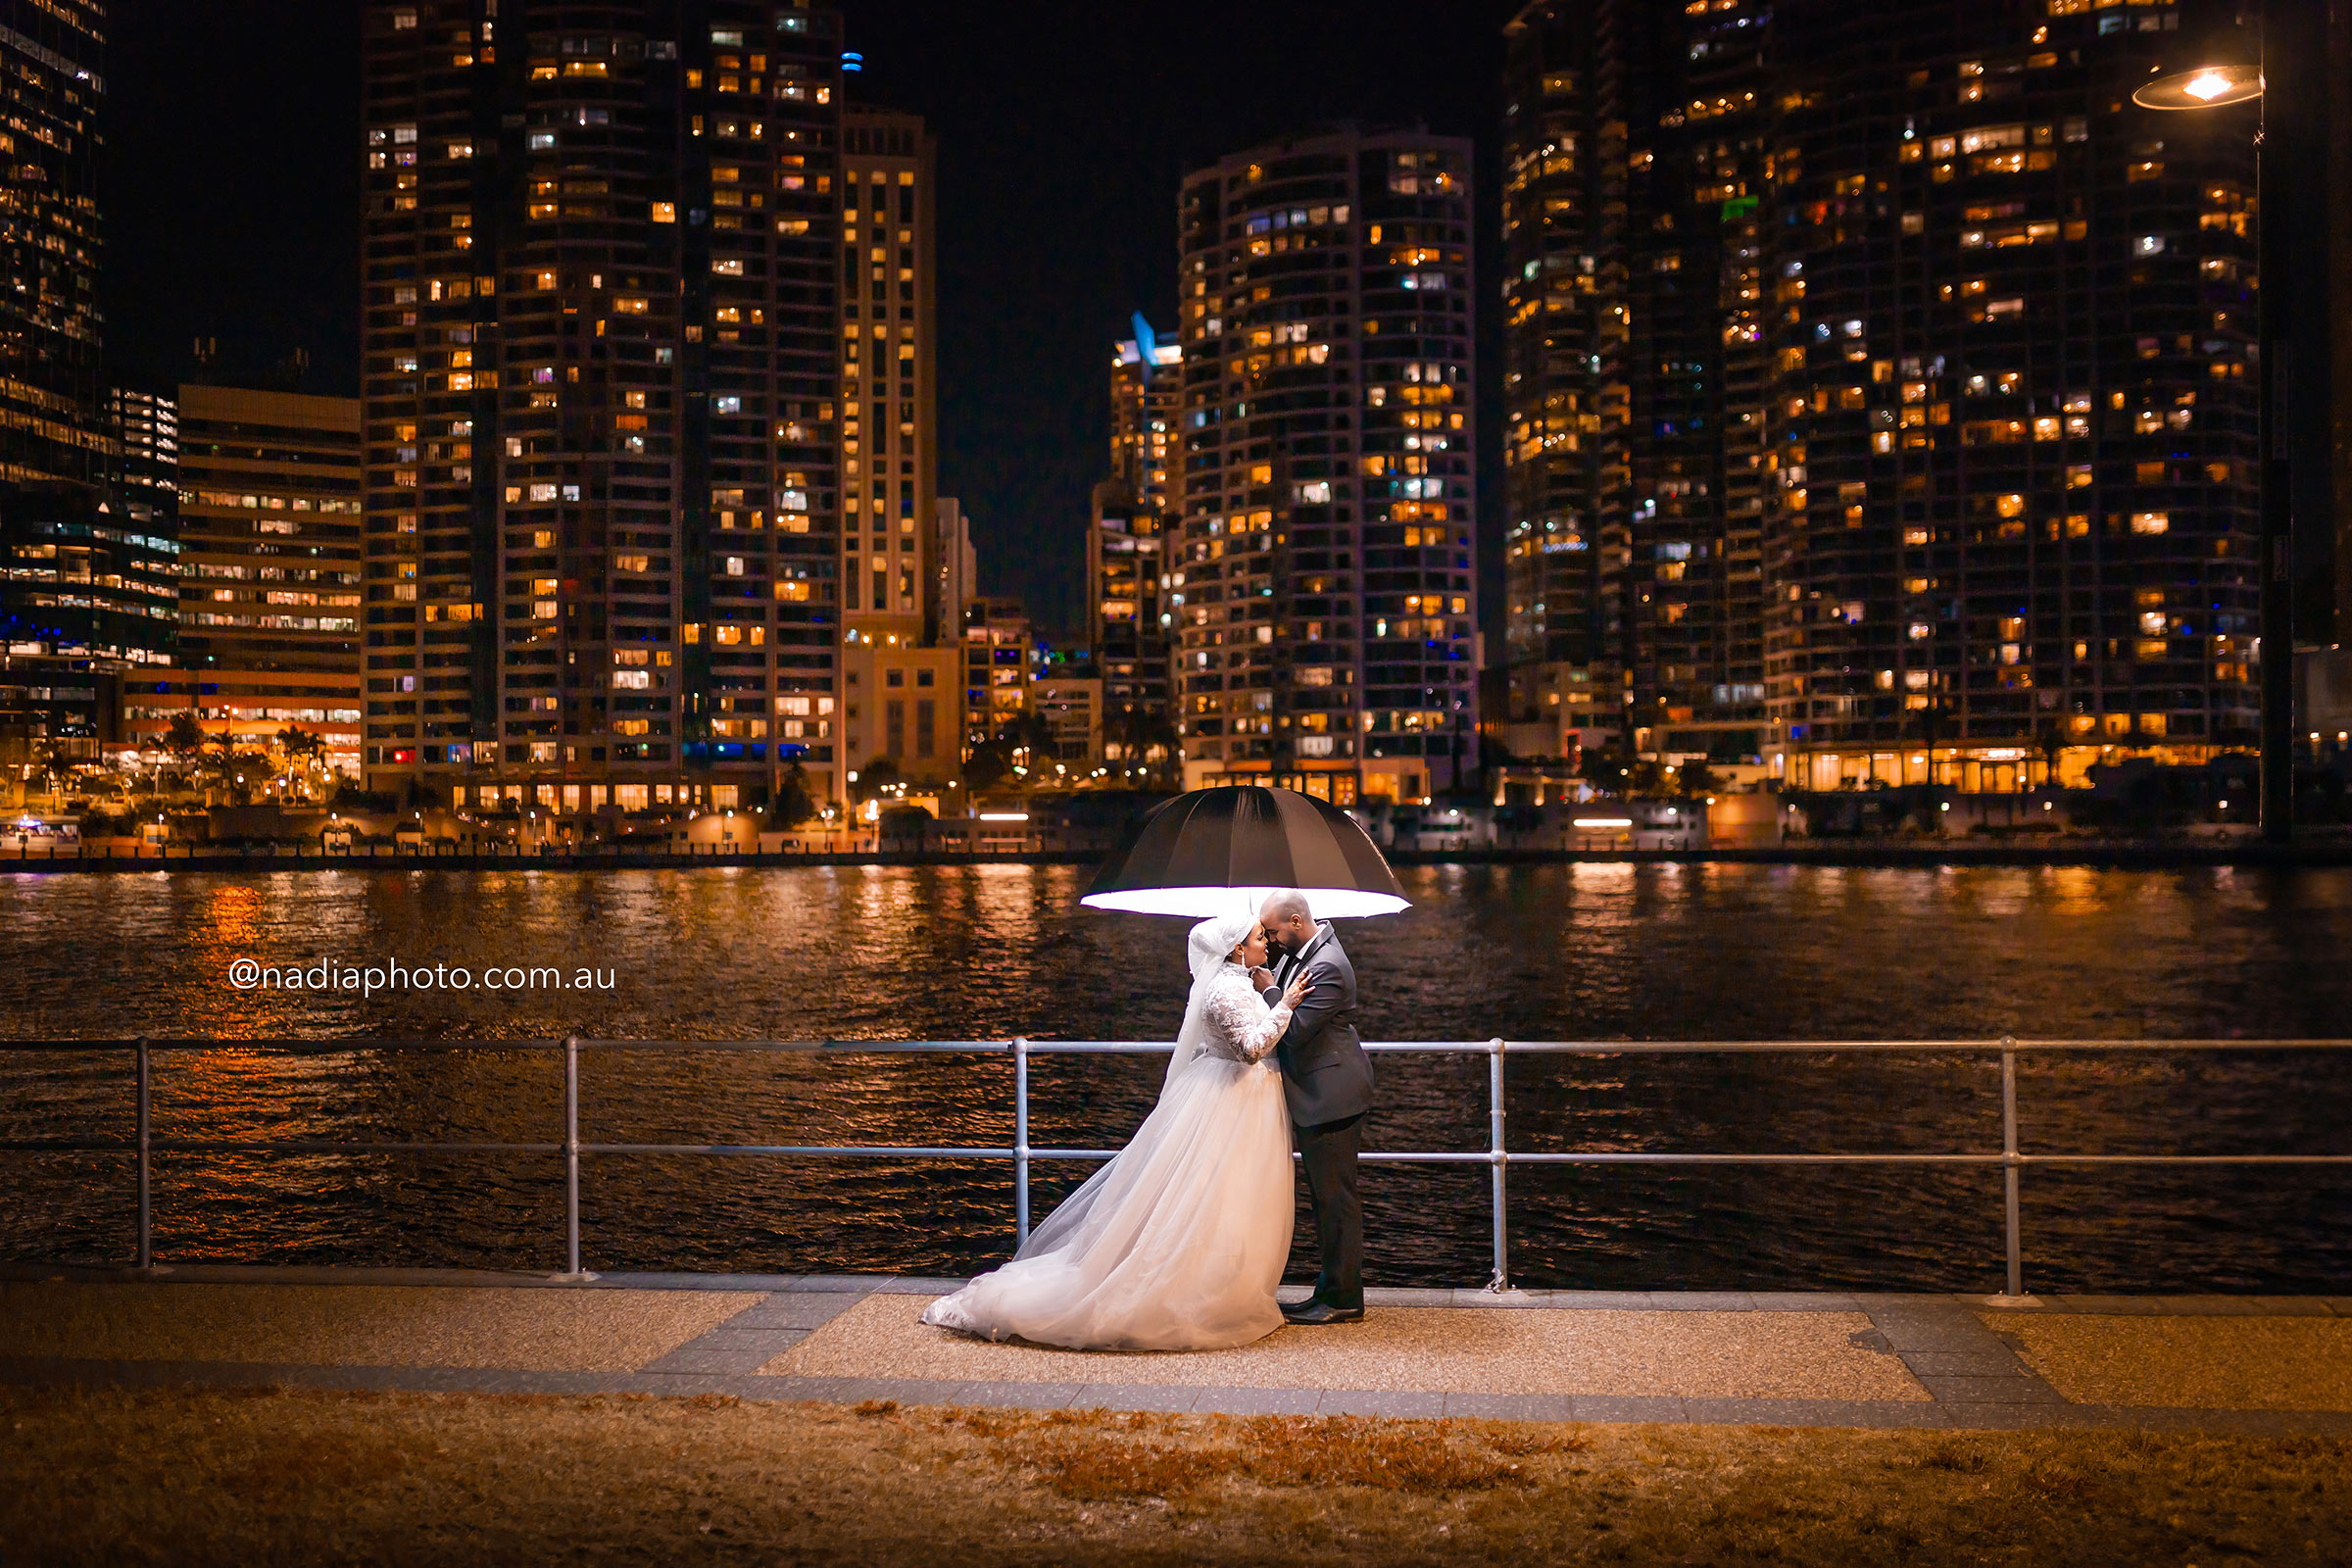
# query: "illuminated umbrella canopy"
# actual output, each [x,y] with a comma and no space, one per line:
[1217,850]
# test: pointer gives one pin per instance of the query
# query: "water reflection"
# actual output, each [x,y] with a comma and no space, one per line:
[1587,952]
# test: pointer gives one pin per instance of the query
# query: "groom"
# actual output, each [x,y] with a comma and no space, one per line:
[1327,1079]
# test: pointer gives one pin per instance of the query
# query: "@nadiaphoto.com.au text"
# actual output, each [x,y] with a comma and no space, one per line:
[335,975]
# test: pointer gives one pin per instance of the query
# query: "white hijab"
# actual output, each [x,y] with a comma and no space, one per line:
[1207,950]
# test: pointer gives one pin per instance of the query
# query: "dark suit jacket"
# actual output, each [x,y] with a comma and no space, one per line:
[1326,1075]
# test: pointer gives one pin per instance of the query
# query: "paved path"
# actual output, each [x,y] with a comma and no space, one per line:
[2251,1364]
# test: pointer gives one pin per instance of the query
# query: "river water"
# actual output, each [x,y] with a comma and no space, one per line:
[1529,953]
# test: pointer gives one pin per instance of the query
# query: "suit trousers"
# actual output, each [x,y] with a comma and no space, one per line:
[1328,1153]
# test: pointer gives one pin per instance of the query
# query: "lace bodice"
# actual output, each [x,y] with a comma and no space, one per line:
[1240,1027]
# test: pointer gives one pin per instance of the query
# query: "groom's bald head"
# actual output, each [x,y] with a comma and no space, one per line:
[1288,919]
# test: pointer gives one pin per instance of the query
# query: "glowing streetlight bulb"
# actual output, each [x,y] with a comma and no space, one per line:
[2206,86]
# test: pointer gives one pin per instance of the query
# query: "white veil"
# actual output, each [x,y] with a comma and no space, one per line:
[1211,942]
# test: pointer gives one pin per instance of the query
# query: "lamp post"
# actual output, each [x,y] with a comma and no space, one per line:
[2217,85]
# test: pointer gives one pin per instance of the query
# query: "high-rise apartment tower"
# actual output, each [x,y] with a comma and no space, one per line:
[901,660]
[1918,361]
[602,383]
[1128,624]
[1322,584]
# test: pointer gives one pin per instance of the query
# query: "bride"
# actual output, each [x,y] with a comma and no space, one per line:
[1178,1243]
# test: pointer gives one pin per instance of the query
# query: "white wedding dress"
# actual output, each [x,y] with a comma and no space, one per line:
[1178,1243]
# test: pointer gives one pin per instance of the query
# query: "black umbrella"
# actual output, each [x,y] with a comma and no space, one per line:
[1220,851]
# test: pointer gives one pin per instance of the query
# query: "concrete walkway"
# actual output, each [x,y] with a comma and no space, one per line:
[2244,1364]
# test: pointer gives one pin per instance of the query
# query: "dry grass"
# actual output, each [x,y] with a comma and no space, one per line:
[297,1477]
[1094,1456]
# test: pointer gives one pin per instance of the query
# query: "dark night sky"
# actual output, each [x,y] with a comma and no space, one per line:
[233,198]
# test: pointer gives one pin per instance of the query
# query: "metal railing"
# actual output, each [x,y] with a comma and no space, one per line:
[2010,1159]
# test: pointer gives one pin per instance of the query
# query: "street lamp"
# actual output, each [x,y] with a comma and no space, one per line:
[2217,83]
[2209,87]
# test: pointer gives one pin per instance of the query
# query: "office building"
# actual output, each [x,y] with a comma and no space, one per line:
[998,646]
[88,594]
[601,377]
[888,366]
[1566,329]
[1128,625]
[900,658]
[1926,445]
[956,563]
[269,531]
[143,431]
[1146,389]
[899,703]
[1066,698]
[1322,585]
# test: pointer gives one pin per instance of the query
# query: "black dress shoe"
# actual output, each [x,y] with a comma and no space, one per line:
[1314,1314]
[1291,1310]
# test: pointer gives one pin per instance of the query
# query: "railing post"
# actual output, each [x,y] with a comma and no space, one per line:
[146,1241]
[1020,1141]
[2009,1167]
[571,1154]
[1496,1158]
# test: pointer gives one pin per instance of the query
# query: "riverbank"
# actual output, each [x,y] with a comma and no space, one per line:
[2114,855]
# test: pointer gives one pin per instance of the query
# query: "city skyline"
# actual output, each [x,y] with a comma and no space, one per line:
[228,125]
[1857,398]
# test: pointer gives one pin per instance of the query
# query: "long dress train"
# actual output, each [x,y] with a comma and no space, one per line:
[1178,1243]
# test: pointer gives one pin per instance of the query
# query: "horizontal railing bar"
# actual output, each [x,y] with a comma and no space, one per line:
[1645,1158]
[316,1146]
[305,1048]
[1476,1157]
[1593,1048]
[330,1047]
[2184,1159]
[1607,1048]
[862,1151]
[829,1047]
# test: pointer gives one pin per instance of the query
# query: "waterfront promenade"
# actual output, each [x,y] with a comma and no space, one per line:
[2243,1365]
[2102,854]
